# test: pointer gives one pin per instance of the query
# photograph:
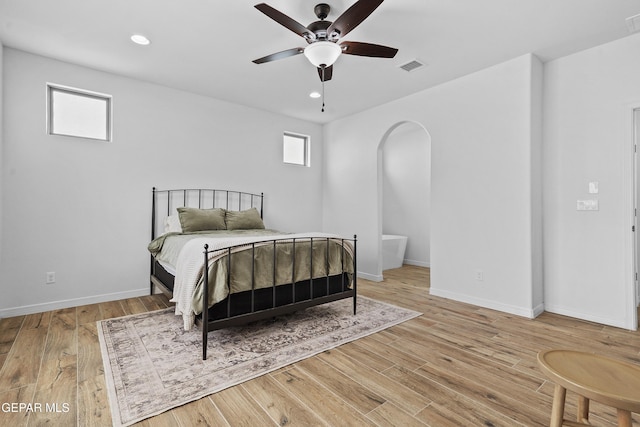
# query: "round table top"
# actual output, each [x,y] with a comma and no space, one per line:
[603,379]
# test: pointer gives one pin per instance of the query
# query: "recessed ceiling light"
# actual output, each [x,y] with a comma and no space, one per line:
[315,95]
[140,39]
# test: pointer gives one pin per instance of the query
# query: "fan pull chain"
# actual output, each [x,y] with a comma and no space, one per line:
[323,68]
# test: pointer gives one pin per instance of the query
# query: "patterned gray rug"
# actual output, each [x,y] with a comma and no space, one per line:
[153,365]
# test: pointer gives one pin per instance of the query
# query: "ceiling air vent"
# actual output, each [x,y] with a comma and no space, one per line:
[412,65]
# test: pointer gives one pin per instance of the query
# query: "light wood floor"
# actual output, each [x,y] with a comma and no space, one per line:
[457,365]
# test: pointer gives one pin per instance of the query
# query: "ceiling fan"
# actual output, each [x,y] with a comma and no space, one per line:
[323,37]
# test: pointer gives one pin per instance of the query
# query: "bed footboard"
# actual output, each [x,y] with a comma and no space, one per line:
[297,295]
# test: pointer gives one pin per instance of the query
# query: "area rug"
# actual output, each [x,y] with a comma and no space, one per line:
[153,365]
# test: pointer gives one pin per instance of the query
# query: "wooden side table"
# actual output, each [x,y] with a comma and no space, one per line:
[593,377]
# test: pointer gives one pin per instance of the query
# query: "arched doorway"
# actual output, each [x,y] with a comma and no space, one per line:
[404,185]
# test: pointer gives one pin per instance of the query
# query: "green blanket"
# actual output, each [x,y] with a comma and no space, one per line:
[166,247]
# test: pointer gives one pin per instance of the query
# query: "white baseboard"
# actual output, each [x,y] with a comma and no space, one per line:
[538,310]
[588,317]
[529,313]
[417,263]
[372,277]
[56,305]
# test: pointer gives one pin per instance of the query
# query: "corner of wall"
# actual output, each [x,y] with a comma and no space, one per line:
[537,77]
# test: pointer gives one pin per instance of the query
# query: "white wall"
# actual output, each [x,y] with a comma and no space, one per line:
[82,208]
[588,100]
[1,140]
[406,190]
[636,139]
[481,189]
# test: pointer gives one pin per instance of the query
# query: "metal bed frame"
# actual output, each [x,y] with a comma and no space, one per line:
[255,304]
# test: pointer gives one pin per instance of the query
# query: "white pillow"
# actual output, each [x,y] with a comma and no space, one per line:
[172,224]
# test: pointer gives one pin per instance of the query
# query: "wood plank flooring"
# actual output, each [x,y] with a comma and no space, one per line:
[456,365]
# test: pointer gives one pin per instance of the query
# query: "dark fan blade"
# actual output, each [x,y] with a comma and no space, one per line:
[285,21]
[279,55]
[368,49]
[328,73]
[353,16]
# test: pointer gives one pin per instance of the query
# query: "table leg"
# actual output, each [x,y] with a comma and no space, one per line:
[583,410]
[624,418]
[557,410]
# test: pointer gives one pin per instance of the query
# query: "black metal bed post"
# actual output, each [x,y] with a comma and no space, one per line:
[153,213]
[342,264]
[293,269]
[153,234]
[261,204]
[273,280]
[228,280]
[327,266]
[311,265]
[205,302]
[253,277]
[355,273]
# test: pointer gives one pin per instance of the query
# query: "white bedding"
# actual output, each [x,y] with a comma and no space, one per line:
[168,267]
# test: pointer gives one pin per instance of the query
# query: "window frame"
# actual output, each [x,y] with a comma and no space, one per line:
[306,141]
[108,99]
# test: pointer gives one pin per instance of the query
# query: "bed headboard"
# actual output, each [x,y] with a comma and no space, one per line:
[165,203]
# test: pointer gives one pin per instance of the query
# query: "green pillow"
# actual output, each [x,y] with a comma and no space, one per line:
[244,220]
[192,219]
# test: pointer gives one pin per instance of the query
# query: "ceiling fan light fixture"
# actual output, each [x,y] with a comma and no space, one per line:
[322,53]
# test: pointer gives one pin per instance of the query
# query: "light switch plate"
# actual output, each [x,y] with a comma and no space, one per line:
[587,205]
[593,187]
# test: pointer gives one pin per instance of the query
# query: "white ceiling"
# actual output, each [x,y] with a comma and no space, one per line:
[206,46]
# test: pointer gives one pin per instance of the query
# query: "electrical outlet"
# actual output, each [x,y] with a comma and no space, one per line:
[479,275]
[51,277]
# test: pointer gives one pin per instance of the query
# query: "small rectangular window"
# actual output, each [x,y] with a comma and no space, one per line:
[79,113]
[295,149]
